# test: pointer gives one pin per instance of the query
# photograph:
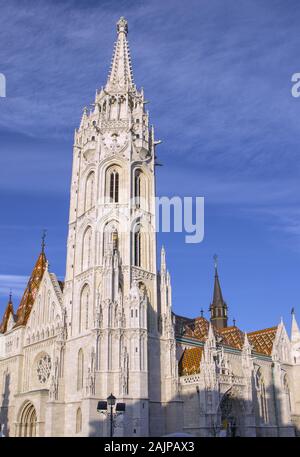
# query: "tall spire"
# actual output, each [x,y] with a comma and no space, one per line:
[120,76]
[218,307]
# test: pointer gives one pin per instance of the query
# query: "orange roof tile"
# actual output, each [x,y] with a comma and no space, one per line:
[233,337]
[31,290]
[190,361]
[263,340]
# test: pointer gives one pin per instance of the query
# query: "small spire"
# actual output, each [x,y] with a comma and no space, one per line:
[201,312]
[44,234]
[163,259]
[120,75]
[10,296]
[295,332]
[234,322]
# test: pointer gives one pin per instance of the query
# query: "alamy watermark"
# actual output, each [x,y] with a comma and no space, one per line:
[296,87]
[2,85]
[158,214]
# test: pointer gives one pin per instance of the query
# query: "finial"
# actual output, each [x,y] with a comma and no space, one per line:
[43,240]
[10,296]
[234,322]
[293,311]
[122,25]
[201,312]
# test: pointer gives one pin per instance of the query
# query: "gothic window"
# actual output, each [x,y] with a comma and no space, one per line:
[89,192]
[80,369]
[78,420]
[114,186]
[86,249]
[84,308]
[137,187]
[110,237]
[137,246]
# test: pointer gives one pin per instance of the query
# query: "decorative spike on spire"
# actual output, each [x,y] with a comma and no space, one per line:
[162,260]
[120,75]
[295,332]
[44,234]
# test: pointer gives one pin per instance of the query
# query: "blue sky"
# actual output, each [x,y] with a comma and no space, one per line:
[218,78]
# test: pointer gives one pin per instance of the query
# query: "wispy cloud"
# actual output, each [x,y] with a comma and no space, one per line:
[14,283]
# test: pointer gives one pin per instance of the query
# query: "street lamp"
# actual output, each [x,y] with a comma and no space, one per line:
[110,402]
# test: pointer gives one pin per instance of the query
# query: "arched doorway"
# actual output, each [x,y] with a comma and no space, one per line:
[28,419]
[231,412]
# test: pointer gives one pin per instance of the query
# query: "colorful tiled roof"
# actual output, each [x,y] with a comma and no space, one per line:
[232,336]
[31,290]
[190,361]
[262,340]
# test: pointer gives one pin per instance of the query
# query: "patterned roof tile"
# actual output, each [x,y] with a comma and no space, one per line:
[190,361]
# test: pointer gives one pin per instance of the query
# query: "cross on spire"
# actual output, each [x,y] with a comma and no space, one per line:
[44,234]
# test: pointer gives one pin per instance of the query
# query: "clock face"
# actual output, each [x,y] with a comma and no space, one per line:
[44,368]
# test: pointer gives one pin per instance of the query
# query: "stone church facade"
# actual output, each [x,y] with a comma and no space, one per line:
[109,327]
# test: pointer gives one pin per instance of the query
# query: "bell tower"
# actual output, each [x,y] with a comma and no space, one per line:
[111,279]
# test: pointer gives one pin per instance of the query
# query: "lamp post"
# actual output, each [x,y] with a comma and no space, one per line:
[110,402]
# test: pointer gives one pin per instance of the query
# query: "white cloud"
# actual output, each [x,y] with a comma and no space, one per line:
[14,282]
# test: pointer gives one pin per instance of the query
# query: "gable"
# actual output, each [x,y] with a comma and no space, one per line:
[46,312]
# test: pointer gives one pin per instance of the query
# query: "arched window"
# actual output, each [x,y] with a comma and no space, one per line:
[80,369]
[89,201]
[137,246]
[86,249]
[114,186]
[137,187]
[28,419]
[110,237]
[78,420]
[261,395]
[84,309]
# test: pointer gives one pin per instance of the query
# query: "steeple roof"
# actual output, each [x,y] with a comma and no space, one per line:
[120,76]
[31,290]
[217,296]
[8,311]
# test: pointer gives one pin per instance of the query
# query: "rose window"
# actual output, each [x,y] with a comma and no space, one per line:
[44,368]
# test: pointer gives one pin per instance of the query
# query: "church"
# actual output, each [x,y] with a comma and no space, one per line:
[109,327]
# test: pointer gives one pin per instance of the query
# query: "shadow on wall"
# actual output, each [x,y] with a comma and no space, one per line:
[232,417]
[4,430]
